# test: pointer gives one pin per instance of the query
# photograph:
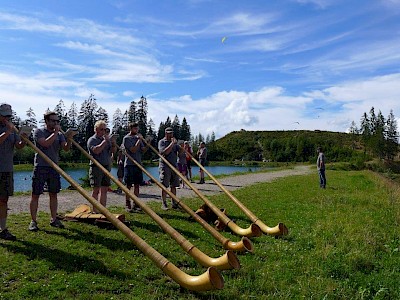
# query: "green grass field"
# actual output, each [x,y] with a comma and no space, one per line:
[343,243]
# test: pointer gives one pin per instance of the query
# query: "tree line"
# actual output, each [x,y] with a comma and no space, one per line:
[376,136]
[89,112]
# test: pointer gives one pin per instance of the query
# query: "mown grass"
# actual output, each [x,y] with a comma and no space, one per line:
[343,244]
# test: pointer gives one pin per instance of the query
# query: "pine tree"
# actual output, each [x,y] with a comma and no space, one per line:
[392,137]
[73,116]
[125,121]
[132,114]
[16,120]
[117,120]
[86,119]
[185,130]
[365,131]
[118,127]
[62,114]
[101,114]
[176,127]
[161,131]
[378,138]
[31,120]
[142,115]
[354,131]
[212,138]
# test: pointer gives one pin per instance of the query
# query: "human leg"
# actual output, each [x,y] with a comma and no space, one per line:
[3,212]
[103,195]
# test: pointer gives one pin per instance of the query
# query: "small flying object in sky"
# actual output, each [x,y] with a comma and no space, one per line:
[297,122]
[223,39]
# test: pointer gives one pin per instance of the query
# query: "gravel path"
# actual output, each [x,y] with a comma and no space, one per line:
[69,200]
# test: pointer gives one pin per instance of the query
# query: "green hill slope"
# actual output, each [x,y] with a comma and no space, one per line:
[285,146]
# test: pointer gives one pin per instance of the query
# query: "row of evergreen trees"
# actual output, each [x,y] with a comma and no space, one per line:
[89,112]
[379,136]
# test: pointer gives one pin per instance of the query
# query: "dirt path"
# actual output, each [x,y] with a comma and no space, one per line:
[68,200]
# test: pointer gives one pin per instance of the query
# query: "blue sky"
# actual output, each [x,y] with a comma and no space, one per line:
[224,65]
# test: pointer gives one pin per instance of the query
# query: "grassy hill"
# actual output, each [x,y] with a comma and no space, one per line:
[285,146]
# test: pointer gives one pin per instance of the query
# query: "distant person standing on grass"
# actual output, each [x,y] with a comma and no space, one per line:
[8,140]
[321,168]
[50,140]
[202,154]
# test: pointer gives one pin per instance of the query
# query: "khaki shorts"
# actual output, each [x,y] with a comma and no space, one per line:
[6,184]
[168,177]
[97,177]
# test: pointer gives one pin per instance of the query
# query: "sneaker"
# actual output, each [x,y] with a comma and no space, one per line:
[136,208]
[164,206]
[57,223]
[6,235]
[175,207]
[129,210]
[33,226]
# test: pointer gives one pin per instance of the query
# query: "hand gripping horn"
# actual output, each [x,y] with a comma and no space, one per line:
[209,280]
[227,261]
[252,231]
[244,245]
[278,230]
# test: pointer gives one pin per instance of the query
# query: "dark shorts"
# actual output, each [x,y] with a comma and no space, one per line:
[133,175]
[182,168]
[48,175]
[189,164]
[168,177]
[203,162]
[97,177]
[6,184]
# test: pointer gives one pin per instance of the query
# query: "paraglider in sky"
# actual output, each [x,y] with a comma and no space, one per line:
[223,39]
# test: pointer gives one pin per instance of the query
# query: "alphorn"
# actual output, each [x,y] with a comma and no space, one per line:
[278,230]
[252,231]
[244,245]
[209,280]
[227,261]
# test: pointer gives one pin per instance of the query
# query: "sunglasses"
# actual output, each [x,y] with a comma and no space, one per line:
[55,121]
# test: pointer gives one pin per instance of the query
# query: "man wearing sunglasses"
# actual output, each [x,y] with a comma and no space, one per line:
[8,140]
[50,140]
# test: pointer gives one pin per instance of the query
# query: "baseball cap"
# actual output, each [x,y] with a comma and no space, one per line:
[5,110]
[169,130]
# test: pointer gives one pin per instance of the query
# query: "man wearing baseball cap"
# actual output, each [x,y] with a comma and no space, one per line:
[8,140]
[168,148]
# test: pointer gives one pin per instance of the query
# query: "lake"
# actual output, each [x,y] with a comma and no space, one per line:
[23,179]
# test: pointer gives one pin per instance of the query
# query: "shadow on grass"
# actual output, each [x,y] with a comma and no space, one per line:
[109,243]
[62,260]
[156,229]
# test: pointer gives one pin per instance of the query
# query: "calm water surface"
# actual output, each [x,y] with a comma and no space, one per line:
[23,179]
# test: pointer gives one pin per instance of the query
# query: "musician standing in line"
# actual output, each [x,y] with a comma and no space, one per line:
[8,140]
[101,148]
[133,175]
[169,149]
[49,140]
